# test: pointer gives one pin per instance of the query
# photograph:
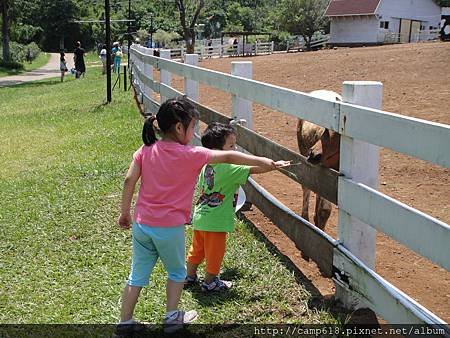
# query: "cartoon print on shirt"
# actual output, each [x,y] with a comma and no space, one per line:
[213,199]
[209,176]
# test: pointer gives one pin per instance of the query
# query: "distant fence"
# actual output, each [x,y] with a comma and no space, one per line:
[300,45]
[258,48]
[362,208]
[394,37]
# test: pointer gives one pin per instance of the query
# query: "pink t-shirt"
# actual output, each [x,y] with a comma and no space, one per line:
[169,171]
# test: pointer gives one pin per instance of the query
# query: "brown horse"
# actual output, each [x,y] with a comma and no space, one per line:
[319,145]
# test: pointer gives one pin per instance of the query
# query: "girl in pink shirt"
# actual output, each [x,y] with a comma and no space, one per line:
[168,169]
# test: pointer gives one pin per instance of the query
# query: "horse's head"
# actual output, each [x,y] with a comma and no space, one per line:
[326,150]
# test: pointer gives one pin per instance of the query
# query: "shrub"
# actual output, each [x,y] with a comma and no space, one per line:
[11,65]
[281,39]
[18,52]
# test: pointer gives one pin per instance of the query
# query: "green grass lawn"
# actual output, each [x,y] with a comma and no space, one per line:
[40,61]
[64,259]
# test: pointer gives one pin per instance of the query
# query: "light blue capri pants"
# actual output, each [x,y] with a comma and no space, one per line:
[151,243]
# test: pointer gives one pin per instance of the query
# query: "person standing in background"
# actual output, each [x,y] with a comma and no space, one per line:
[103,58]
[78,59]
[62,65]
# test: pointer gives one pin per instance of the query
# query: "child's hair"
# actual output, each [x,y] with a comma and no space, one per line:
[215,135]
[169,114]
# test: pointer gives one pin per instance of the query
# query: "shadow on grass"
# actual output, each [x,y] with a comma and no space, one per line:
[40,83]
[211,299]
[317,301]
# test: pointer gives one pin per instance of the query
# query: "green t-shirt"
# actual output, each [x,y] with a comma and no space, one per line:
[214,210]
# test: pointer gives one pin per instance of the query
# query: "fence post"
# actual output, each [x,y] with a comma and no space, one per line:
[125,78]
[148,71]
[241,108]
[360,162]
[165,76]
[272,45]
[191,86]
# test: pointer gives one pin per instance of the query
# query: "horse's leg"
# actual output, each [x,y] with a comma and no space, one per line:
[305,206]
[322,212]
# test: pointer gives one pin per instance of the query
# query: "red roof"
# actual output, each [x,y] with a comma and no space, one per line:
[351,7]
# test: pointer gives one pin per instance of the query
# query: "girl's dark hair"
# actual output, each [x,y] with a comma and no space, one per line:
[215,135]
[169,114]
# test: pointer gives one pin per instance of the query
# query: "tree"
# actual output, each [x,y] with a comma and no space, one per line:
[443,3]
[57,21]
[5,29]
[216,21]
[303,17]
[185,7]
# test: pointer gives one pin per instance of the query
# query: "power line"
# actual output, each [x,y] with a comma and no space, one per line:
[103,21]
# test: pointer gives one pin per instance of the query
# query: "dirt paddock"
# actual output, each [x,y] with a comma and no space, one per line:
[416,83]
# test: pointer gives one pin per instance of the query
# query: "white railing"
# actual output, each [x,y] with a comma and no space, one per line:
[386,36]
[362,130]
[425,35]
[320,41]
[316,42]
[204,52]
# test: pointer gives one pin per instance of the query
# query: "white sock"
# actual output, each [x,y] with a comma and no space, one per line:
[129,321]
[170,314]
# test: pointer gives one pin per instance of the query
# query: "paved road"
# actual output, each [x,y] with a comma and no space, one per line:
[51,69]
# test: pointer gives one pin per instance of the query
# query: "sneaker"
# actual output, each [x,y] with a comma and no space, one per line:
[216,285]
[189,282]
[176,321]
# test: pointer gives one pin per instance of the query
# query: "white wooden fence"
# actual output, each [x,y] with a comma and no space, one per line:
[258,48]
[387,36]
[299,43]
[362,208]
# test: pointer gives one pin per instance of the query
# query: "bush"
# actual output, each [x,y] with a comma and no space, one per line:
[281,39]
[165,38]
[11,65]
[18,52]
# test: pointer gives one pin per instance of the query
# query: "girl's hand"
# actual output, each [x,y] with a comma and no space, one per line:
[282,164]
[124,220]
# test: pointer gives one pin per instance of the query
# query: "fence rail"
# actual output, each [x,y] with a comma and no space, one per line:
[422,233]
[299,43]
[386,36]
[258,48]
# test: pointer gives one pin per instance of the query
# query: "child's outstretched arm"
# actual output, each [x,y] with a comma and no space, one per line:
[133,174]
[260,170]
[236,157]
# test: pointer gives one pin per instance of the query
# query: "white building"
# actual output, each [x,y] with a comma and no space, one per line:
[366,22]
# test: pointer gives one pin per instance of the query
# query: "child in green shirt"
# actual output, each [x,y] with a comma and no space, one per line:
[214,212]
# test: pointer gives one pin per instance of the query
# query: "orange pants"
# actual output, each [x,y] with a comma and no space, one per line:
[210,246]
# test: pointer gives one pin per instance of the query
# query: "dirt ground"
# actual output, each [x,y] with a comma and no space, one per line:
[416,82]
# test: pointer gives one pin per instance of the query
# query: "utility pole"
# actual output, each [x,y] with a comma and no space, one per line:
[108,51]
[151,30]
[129,33]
